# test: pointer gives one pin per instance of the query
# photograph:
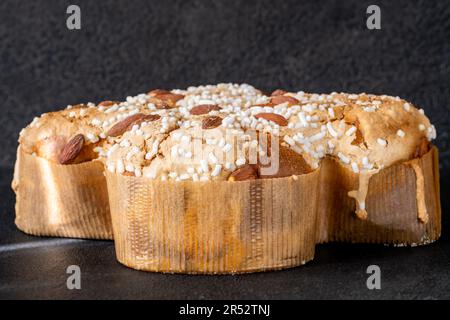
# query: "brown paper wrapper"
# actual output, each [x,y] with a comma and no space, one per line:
[61,200]
[391,204]
[223,227]
[213,227]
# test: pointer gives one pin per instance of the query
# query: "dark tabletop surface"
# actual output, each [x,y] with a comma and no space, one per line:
[35,267]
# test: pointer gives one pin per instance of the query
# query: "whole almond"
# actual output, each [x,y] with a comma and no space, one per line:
[145,118]
[289,163]
[151,117]
[282,99]
[160,104]
[204,109]
[123,126]
[246,172]
[107,103]
[169,97]
[157,92]
[211,122]
[165,100]
[273,117]
[278,92]
[71,149]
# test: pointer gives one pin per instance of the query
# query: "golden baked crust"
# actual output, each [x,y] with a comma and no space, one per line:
[208,132]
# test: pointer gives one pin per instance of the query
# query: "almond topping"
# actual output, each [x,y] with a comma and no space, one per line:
[157,92]
[159,104]
[247,172]
[151,117]
[204,109]
[107,103]
[276,118]
[127,123]
[282,99]
[145,118]
[72,149]
[169,97]
[289,163]
[278,92]
[211,122]
[165,100]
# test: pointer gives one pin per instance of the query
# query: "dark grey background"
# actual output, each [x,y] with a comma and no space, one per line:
[128,47]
